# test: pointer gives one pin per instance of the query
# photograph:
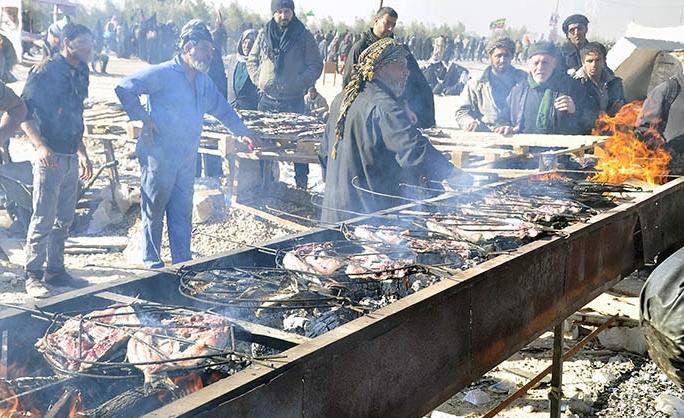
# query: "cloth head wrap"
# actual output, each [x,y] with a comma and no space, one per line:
[194,31]
[503,43]
[382,52]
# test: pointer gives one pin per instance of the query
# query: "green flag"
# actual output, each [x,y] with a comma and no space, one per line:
[498,24]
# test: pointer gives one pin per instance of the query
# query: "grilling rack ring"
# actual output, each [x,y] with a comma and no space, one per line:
[104,369]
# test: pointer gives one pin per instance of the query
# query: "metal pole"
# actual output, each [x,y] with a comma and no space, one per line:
[381,3]
[538,378]
[556,393]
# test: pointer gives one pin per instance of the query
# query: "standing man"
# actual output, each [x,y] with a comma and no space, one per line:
[370,140]
[548,102]
[575,28]
[54,94]
[605,93]
[179,94]
[418,97]
[482,102]
[664,111]
[283,64]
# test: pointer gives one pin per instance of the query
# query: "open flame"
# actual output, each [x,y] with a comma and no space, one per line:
[625,156]
[9,407]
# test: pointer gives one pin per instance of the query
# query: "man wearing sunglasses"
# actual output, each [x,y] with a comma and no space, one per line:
[179,93]
[575,28]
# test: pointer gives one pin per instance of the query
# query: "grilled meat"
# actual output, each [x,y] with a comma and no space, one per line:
[180,338]
[316,258]
[101,333]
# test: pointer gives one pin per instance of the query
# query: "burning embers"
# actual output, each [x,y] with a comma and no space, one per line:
[125,360]
[625,156]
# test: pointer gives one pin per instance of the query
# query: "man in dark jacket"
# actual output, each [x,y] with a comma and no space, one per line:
[418,95]
[283,64]
[483,100]
[605,93]
[664,111]
[54,95]
[369,141]
[548,102]
[575,28]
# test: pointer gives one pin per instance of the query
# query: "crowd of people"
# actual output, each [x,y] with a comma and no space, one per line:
[372,138]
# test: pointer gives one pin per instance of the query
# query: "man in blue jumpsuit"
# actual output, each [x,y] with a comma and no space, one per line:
[179,94]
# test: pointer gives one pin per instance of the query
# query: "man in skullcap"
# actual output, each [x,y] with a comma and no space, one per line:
[575,28]
[370,142]
[283,64]
[483,101]
[548,101]
[179,94]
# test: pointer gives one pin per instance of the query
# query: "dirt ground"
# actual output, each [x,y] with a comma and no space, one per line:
[597,382]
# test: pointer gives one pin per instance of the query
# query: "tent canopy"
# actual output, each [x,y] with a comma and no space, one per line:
[634,56]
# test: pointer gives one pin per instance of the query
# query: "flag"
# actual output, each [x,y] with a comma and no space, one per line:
[498,24]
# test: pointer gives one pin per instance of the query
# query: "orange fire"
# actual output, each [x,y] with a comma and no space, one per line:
[548,177]
[8,408]
[624,156]
[76,409]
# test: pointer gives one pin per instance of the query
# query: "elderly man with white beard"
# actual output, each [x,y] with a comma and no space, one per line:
[179,94]
[369,140]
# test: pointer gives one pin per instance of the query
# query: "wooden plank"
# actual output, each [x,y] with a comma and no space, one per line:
[530,140]
[110,242]
[254,329]
[272,218]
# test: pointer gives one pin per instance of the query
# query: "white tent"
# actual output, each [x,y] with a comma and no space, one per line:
[10,23]
[640,57]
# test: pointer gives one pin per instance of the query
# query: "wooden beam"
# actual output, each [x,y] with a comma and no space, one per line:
[272,218]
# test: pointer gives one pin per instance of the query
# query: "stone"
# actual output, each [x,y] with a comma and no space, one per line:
[133,251]
[623,339]
[104,216]
[206,203]
[670,405]
[528,409]
[126,196]
[579,406]
[477,397]
[603,376]
[500,388]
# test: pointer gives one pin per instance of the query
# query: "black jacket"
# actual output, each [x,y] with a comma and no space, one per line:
[564,123]
[570,57]
[418,93]
[54,95]
[381,148]
[664,110]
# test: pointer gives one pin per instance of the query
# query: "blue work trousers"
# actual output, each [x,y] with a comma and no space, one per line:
[167,186]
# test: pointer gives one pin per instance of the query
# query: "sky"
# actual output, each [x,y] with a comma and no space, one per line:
[609,17]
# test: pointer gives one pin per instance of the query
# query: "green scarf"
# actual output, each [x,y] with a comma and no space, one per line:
[545,113]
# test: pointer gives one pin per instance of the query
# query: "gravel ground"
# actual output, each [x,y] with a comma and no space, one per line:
[597,382]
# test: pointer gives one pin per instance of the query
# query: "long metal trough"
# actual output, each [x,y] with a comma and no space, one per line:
[409,357]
